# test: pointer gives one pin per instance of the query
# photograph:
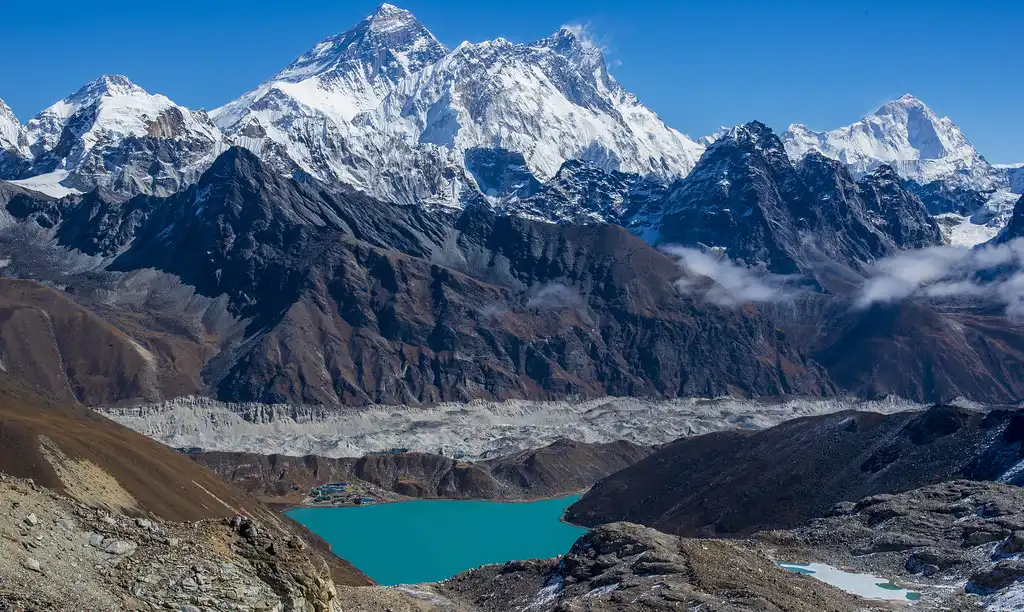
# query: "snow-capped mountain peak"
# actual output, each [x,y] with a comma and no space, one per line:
[946,170]
[385,107]
[343,75]
[552,100]
[10,128]
[113,133]
[105,85]
[568,42]
[13,148]
[904,133]
[112,107]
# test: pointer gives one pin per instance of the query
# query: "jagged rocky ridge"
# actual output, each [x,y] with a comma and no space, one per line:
[312,294]
[347,299]
[747,197]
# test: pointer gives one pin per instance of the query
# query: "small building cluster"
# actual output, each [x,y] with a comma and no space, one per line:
[338,493]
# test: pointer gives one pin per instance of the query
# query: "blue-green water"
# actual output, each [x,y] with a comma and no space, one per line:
[425,541]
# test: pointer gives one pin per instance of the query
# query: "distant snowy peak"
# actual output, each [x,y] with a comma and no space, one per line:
[13,148]
[1015,175]
[108,109]
[552,100]
[345,74]
[10,129]
[907,135]
[115,134]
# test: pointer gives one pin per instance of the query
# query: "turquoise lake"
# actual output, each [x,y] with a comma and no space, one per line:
[426,541]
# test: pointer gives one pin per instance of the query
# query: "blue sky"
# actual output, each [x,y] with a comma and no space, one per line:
[699,65]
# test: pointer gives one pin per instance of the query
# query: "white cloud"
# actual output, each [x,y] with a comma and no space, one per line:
[552,296]
[585,33]
[717,279]
[992,272]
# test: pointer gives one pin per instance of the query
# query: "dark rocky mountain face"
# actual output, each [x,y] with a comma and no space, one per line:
[287,291]
[501,173]
[747,197]
[739,482]
[581,193]
[942,353]
[736,198]
[350,300]
[944,197]
[897,212]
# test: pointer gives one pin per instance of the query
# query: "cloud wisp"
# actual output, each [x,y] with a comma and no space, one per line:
[991,272]
[733,284]
[552,296]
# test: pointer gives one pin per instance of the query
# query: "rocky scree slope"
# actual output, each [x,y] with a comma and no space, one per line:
[61,554]
[75,452]
[965,538]
[737,482]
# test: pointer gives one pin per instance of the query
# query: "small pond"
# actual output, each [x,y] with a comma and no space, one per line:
[864,585]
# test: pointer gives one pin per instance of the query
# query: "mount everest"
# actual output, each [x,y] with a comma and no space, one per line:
[540,130]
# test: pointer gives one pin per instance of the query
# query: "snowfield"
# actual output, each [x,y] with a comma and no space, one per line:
[475,430]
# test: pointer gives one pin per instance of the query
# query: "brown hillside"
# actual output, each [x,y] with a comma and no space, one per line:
[72,450]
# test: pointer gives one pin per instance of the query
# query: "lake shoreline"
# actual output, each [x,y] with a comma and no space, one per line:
[284,507]
[441,539]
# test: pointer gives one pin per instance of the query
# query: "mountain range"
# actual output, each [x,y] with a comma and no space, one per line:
[387,109]
[388,220]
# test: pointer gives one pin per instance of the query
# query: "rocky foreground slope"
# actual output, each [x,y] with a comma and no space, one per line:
[966,538]
[59,554]
[88,507]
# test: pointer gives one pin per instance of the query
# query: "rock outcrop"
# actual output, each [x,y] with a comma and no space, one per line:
[963,537]
[68,555]
[626,567]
